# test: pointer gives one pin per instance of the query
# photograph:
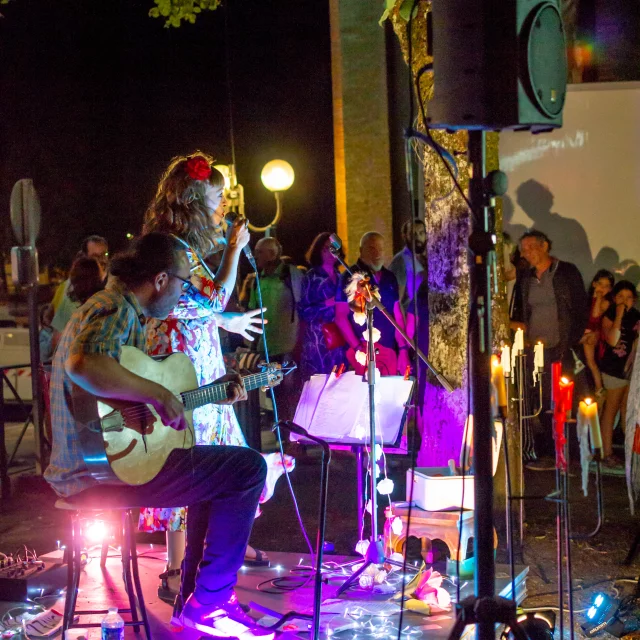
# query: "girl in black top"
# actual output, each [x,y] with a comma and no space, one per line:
[620,326]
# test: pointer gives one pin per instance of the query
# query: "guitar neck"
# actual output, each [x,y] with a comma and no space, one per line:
[212,393]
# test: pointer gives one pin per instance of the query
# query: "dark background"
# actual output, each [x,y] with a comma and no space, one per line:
[96,97]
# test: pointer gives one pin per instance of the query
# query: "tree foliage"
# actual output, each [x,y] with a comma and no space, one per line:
[175,11]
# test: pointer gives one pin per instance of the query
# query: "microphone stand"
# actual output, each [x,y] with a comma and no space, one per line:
[375,302]
[322,517]
[375,551]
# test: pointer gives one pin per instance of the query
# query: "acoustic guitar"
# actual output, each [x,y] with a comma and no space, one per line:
[128,443]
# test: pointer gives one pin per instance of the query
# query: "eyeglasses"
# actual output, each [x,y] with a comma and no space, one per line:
[186,284]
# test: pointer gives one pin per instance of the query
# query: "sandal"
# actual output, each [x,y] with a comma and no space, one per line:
[165,592]
[260,560]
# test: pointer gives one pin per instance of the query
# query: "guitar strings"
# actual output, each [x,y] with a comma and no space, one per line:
[142,410]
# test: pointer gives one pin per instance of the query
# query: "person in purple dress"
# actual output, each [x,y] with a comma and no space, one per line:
[323,346]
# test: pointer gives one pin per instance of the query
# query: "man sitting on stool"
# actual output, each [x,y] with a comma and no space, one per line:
[221,485]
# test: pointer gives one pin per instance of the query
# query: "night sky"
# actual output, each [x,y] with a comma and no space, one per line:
[96,97]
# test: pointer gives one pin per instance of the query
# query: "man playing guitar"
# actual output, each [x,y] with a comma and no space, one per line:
[221,485]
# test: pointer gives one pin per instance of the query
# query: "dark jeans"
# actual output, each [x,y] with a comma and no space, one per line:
[221,486]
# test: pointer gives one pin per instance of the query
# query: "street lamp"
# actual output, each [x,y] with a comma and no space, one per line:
[277,176]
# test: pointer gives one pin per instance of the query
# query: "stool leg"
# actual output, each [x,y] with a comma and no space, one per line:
[126,569]
[72,592]
[136,574]
[104,552]
[68,554]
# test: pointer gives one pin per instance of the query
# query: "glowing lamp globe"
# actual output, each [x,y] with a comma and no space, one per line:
[277,175]
[224,170]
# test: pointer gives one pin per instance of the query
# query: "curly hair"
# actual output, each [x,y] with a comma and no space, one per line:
[178,207]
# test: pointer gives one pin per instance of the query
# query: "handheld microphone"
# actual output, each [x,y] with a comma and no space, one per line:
[335,244]
[231,217]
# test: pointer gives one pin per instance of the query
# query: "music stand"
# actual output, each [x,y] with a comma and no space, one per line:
[337,410]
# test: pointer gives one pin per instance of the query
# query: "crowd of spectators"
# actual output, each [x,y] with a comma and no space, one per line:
[598,327]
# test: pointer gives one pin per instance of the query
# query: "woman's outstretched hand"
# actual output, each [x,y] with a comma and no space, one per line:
[242,323]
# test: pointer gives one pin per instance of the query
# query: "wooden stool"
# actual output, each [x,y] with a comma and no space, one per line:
[447,526]
[129,562]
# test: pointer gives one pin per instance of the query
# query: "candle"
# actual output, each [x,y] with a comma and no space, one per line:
[518,342]
[518,346]
[556,372]
[588,415]
[565,396]
[538,356]
[499,394]
[505,360]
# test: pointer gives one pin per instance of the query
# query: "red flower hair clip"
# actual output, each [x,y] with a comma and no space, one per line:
[198,168]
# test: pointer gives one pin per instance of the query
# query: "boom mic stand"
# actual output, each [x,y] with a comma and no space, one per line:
[375,551]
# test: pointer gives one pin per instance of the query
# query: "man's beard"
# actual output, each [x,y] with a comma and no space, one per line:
[159,308]
[419,247]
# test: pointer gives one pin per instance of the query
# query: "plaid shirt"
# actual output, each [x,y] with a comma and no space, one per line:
[108,320]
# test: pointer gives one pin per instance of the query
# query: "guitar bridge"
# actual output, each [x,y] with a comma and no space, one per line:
[113,422]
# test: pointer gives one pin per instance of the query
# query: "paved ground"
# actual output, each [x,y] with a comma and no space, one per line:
[29,518]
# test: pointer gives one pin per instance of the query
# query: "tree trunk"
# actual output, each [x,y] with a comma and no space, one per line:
[447,221]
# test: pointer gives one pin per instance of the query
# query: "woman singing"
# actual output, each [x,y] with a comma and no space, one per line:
[189,203]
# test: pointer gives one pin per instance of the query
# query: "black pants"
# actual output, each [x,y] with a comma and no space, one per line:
[221,486]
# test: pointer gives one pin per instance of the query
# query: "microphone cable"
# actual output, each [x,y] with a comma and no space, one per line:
[282,583]
[206,267]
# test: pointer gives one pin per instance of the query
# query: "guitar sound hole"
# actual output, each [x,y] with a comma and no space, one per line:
[139,419]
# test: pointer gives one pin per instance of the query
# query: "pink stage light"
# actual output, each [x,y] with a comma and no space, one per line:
[96,531]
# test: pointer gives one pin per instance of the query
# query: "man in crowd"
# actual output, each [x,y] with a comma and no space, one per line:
[414,233]
[95,247]
[280,285]
[392,354]
[550,305]
[221,485]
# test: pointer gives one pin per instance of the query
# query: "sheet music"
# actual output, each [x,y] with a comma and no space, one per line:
[337,409]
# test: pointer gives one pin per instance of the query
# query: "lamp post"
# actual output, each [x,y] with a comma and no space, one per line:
[277,176]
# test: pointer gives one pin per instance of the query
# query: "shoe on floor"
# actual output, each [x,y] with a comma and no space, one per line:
[169,585]
[613,466]
[227,620]
[542,464]
[259,560]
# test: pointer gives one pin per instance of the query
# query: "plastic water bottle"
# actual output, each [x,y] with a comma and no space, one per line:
[112,625]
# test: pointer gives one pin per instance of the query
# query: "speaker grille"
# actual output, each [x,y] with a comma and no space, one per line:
[546,60]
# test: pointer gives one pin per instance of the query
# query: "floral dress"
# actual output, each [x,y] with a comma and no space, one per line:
[317,288]
[193,330]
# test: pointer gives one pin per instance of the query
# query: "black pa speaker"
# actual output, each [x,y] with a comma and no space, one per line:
[498,64]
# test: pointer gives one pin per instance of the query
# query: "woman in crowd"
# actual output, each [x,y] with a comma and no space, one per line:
[600,297]
[189,203]
[620,326]
[323,346]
